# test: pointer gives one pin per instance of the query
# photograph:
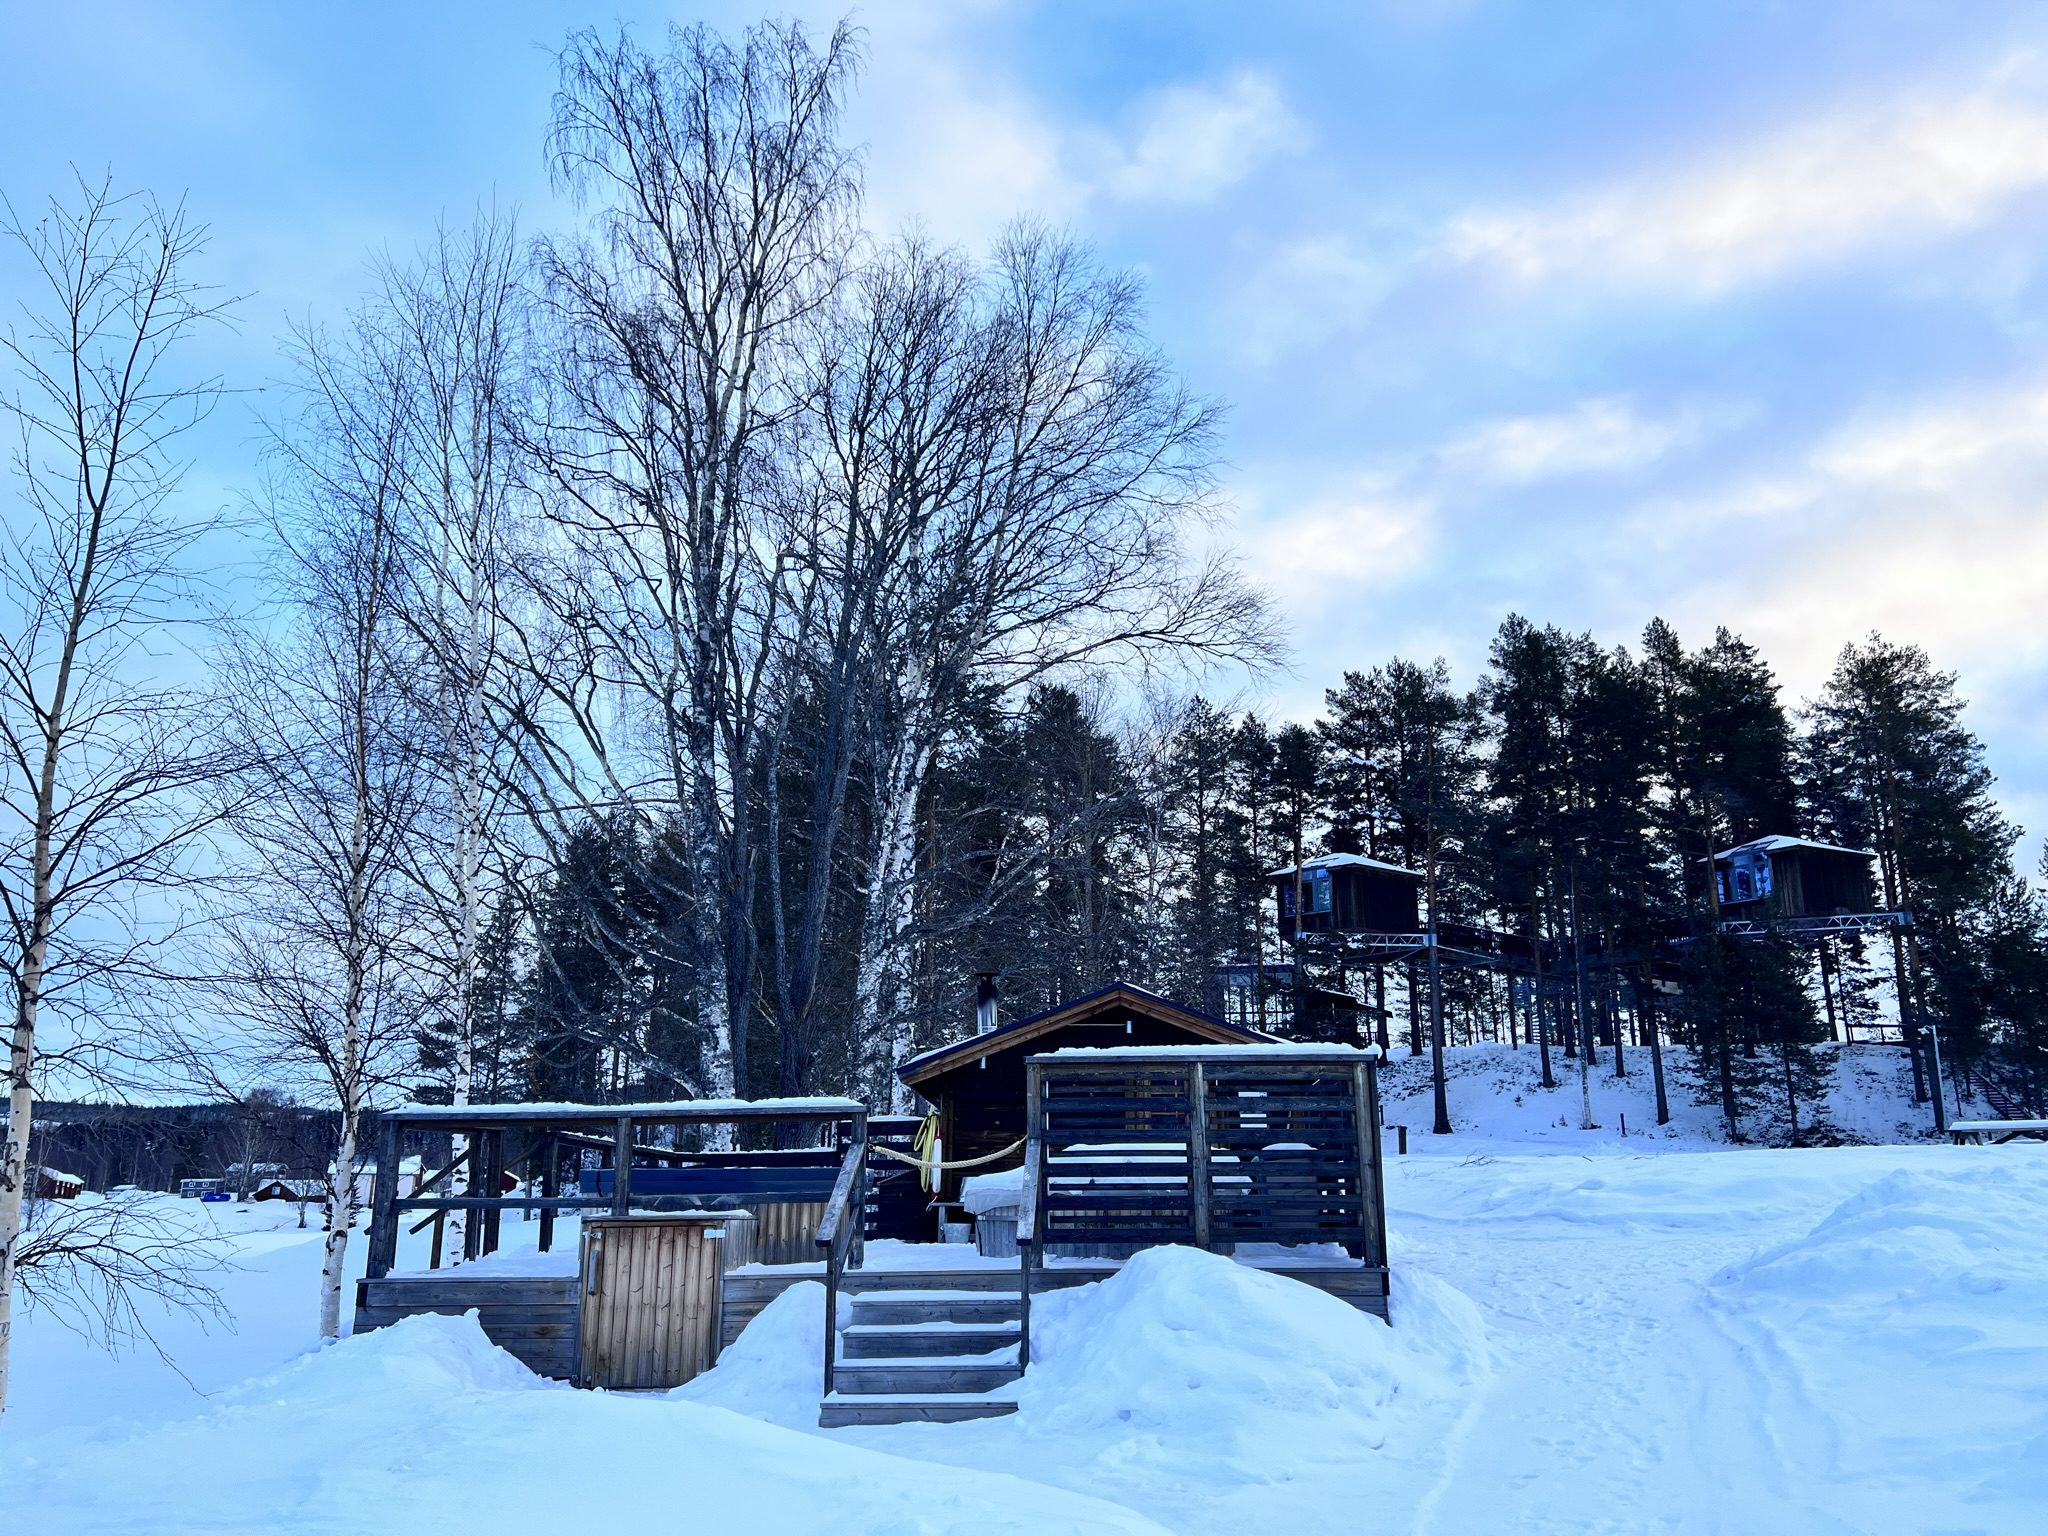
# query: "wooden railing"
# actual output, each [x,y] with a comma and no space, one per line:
[839,1235]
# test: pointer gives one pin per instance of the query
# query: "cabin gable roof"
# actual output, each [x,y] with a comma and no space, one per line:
[1346,861]
[1202,1027]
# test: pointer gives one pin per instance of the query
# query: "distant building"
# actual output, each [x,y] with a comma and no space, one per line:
[1347,893]
[1793,877]
[55,1184]
[303,1190]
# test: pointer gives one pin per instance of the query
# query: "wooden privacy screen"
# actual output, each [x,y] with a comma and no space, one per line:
[1206,1150]
[652,1287]
[1116,1158]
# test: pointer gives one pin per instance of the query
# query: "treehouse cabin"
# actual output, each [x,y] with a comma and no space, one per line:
[976,1085]
[1347,893]
[1793,877]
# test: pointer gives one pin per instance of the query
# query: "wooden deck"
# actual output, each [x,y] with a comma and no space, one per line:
[533,1318]
[536,1318]
[748,1290]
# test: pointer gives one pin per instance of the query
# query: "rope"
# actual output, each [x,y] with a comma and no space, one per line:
[925,1162]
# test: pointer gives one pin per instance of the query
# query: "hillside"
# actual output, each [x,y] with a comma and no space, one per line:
[1496,1095]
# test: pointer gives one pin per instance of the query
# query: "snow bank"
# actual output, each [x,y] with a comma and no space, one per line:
[775,1369]
[564,1258]
[1912,1323]
[1624,1194]
[1189,1345]
[426,1427]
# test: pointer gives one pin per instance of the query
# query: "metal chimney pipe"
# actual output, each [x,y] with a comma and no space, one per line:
[984,1002]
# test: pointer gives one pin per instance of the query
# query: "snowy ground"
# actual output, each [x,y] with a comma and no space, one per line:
[1494,1094]
[1591,1335]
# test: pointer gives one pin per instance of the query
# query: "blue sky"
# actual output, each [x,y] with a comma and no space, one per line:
[1732,313]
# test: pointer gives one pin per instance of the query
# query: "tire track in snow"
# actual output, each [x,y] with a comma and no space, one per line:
[1613,1407]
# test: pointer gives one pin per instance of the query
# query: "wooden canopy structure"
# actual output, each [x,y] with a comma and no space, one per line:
[596,1158]
[976,1084]
[1210,1148]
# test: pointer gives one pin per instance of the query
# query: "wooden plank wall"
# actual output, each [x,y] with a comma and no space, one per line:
[650,1303]
[530,1317]
[788,1233]
[1285,1165]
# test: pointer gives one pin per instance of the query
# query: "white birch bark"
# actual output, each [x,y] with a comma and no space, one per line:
[98,761]
[883,971]
[20,1066]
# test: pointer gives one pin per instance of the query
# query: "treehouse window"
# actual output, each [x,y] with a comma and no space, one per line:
[1748,878]
[1318,892]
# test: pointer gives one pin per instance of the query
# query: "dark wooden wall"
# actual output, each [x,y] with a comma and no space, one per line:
[1361,901]
[981,1108]
[1810,882]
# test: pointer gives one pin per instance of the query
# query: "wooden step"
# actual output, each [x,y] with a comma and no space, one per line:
[1004,1277]
[920,1378]
[897,1341]
[929,1408]
[936,1307]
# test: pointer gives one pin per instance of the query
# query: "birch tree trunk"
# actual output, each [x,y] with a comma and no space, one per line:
[98,762]
[884,967]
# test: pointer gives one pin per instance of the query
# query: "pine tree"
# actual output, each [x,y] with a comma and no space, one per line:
[1892,767]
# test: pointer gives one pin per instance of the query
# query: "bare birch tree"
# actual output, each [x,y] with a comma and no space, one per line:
[1067,547]
[100,758]
[458,312]
[316,983]
[724,210]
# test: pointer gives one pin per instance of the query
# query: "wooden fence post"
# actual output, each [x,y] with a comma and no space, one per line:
[1198,1150]
[1371,1160]
[383,1254]
[549,1174]
[622,1165]
[493,1187]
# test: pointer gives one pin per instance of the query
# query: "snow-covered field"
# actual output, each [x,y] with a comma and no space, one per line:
[1592,1334]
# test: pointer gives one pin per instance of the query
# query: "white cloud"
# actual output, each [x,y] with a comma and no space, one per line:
[956,143]
[1816,192]
[1195,141]
[1363,537]
[1929,523]
[1304,292]
[1925,451]
[1602,436]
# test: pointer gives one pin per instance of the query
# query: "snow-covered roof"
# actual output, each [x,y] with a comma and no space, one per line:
[1344,861]
[681,1109]
[1018,1031]
[1292,1050]
[1777,844]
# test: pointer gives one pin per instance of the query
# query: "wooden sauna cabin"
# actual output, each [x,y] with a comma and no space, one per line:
[976,1085]
[1347,893]
[1793,877]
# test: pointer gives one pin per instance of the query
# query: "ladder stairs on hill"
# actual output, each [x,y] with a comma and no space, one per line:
[2002,1103]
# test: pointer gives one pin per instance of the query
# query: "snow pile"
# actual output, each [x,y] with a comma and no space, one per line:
[775,1369]
[1189,1344]
[1186,1381]
[986,1192]
[1624,1195]
[1912,1323]
[564,1258]
[427,1427]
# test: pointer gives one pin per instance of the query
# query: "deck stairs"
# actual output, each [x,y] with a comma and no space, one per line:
[927,1345]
